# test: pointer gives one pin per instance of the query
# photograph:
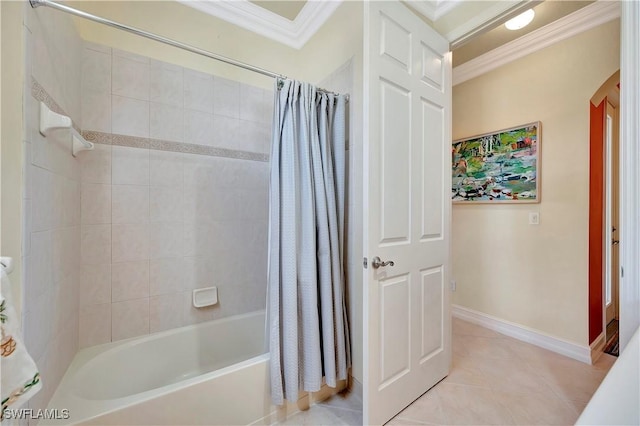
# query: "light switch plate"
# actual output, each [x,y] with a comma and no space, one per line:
[534,218]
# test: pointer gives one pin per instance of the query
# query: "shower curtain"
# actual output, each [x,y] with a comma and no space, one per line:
[308,331]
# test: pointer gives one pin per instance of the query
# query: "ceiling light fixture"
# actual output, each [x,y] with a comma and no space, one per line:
[520,21]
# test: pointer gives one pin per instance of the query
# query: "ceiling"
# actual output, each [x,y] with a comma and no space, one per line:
[473,27]
[546,13]
[286,8]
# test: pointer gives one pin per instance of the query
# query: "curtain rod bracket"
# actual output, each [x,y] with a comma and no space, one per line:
[36,3]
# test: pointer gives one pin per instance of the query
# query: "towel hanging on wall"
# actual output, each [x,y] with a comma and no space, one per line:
[20,378]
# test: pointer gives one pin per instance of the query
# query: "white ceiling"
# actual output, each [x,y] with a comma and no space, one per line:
[294,22]
[546,13]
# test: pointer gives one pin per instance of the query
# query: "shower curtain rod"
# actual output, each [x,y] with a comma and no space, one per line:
[196,50]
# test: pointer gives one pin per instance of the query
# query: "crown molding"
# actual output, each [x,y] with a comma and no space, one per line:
[598,13]
[445,6]
[426,8]
[434,9]
[261,21]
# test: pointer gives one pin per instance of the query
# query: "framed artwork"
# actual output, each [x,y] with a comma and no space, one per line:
[498,167]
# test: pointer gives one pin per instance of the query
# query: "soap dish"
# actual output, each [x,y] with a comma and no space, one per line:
[203,297]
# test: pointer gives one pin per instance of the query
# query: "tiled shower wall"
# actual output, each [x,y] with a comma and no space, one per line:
[51,205]
[174,196]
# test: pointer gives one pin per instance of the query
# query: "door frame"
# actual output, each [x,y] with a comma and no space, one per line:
[629,297]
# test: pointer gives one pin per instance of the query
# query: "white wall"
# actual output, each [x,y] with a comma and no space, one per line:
[615,402]
[536,276]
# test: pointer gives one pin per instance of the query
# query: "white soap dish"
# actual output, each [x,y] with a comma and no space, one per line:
[203,297]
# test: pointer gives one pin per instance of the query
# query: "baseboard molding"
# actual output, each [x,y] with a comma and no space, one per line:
[525,334]
[597,347]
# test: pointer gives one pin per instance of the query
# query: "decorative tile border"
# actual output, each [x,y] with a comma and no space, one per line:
[40,94]
[162,145]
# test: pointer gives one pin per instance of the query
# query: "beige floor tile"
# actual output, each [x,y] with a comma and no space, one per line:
[512,374]
[472,405]
[314,416]
[532,353]
[577,404]
[568,386]
[397,421]
[347,417]
[458,346]
[494,380]
[466,370]
[537,408]
[488,347]
[605,362]
[427,410]
[344,400]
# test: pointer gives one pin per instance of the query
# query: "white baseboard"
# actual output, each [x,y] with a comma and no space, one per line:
[526,334]
[597,347]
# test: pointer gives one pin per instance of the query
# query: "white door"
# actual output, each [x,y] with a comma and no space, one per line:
[407,181]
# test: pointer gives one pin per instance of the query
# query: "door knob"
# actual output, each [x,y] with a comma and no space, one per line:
[376,262]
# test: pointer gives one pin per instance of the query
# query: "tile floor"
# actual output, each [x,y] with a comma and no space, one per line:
[495,380]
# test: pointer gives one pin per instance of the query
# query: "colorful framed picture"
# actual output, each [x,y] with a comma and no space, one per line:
[499,167]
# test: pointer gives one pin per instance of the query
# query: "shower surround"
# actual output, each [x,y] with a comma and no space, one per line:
[174,196]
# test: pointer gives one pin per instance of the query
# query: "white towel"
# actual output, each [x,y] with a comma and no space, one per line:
[19,379]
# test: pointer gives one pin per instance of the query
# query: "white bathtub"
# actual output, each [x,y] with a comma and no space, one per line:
[209,373]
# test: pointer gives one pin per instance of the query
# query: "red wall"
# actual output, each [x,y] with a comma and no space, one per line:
[596,216]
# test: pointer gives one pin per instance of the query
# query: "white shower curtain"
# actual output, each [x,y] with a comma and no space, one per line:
[308,332]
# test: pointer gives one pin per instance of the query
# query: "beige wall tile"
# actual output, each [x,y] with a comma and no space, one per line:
[130,75]
[130,318]
[167,168]
[129,116]
[167,276]
[95,204]
[165,312]
[130,204]
[167,240]
[226,97]
[166,86]
[130,280]
[166,204]
[130,242]
[95,284]
[95,244]
[167,122]
[130,166]
[198,91]
[96,164]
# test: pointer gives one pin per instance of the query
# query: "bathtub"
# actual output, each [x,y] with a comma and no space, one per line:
[209,373]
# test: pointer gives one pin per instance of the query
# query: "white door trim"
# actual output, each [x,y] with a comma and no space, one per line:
[629,170]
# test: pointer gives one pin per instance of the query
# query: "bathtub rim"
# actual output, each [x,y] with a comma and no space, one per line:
[87,409]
